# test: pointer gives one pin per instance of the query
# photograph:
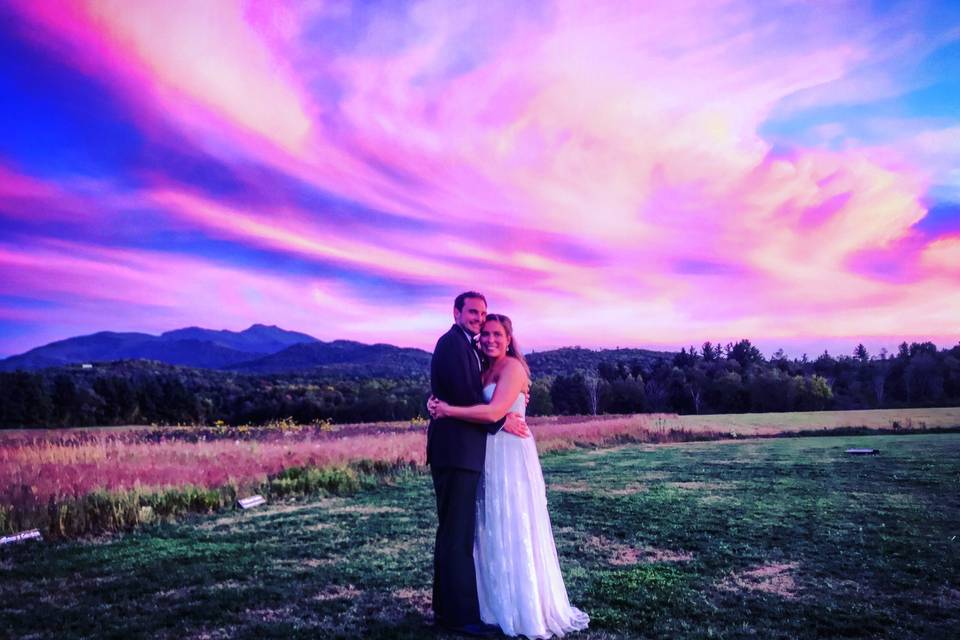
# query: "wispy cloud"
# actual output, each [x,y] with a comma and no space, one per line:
[609,174]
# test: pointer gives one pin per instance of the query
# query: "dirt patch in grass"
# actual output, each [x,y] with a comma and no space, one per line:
[700,486]
[241,517]
[222,521]
[629,490]
[653,554]
[366,510]
[619,554]
[418,599]
[651,476]
[185,593]
[292,507]
[337,592]
[576,486]
[318,562]
[389,546]
[777,579]
[602,451]
[714,499]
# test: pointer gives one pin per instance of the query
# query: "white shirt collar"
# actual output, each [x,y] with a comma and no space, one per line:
[472,342]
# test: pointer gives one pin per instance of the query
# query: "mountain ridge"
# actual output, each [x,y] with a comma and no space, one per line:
[191,346]
[268,349]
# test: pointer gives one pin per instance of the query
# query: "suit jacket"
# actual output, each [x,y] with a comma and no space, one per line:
[455,379]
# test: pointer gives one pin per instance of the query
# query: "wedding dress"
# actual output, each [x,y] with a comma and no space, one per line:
[519,583]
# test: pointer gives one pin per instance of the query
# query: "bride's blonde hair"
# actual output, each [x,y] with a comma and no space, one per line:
[512,349]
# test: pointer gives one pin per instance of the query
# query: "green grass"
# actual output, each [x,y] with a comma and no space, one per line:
[770,539]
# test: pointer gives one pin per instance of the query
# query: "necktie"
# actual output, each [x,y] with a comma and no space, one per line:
[476,352]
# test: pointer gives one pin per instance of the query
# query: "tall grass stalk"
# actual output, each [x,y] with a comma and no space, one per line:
[74,482]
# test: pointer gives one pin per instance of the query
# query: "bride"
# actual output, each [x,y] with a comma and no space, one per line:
[518,574]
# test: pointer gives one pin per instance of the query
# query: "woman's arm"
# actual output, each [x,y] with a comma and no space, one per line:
[509,386]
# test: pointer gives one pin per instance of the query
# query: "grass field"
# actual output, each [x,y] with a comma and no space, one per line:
[748,424]
[786,538]
[71,483]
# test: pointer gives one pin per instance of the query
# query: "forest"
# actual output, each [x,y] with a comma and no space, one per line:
[734,378]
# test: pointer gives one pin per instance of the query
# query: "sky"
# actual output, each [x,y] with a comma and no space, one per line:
[609,174]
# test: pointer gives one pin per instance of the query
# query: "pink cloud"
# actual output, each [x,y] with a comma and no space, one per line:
[630,134]
[210,56]
[942,256]
[124,289]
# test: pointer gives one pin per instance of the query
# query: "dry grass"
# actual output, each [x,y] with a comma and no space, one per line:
[337,592]
[620,554]
[40,468]
[577,486]
[862,561]
[777,579]
[418,599]
[701,486]
[758,424]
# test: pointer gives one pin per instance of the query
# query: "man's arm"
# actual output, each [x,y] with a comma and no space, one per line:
[508,389]
[452,371]
[449,375]
[491,416]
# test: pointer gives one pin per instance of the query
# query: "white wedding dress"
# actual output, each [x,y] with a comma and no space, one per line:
[519,583]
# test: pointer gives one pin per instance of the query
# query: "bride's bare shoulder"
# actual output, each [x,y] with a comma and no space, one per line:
[513,366]
[505,367]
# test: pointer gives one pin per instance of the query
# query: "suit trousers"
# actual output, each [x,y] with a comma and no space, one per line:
[454,574]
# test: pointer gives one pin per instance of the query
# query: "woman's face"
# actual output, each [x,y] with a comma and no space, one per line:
[493,339]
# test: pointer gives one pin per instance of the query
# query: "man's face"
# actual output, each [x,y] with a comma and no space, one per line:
[472,316]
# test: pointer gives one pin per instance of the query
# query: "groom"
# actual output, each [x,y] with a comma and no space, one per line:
[455,453]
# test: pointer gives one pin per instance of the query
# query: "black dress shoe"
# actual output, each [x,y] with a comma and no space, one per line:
[474,629]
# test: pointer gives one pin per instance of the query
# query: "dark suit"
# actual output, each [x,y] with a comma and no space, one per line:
[455,453]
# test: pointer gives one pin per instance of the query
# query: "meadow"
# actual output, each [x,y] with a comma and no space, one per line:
[773,538]
[76,482]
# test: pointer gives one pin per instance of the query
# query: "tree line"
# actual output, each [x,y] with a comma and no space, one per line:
[735,378]
[140,392]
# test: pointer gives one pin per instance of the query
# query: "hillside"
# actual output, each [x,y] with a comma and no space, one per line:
[190,347]
[342,356]
[262,349]
[256,339]
[570,359]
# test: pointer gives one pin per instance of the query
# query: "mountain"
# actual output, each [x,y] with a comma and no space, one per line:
[105,345]
[342,356]
[187,353]
[262,349]
[259,338]
[192,347]
[385,360]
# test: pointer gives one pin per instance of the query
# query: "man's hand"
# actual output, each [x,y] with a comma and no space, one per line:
[516,425]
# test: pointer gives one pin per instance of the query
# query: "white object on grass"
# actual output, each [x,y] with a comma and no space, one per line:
[252,501]
[32,534]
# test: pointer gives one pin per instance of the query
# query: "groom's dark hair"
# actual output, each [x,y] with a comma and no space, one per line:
[458,302]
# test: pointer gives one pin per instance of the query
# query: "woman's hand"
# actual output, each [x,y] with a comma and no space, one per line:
[437,408]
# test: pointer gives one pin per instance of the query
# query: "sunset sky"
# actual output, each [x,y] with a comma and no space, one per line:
[645,174]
